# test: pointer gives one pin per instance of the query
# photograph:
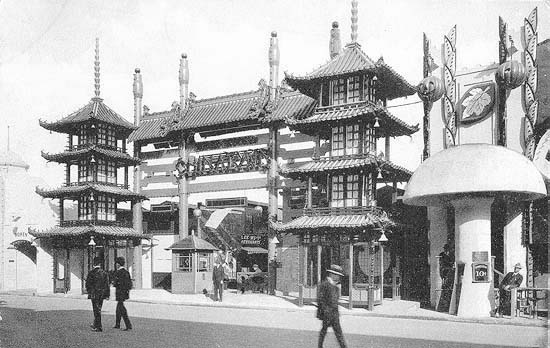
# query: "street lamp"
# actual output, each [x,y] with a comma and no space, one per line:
[198,213]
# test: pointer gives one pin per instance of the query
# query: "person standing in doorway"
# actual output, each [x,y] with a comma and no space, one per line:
[123,284]
[328,294]
[511,280]
[97,287]
[218,274]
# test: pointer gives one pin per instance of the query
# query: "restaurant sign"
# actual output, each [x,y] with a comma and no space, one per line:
[251,240]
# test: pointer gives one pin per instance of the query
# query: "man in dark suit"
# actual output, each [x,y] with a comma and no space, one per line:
[97,286]
[218,274]
[327,305]
[511,280]
[123,283]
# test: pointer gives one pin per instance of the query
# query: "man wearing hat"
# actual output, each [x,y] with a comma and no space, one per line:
[97,287]
[218,274]
[511,280]
[327,305]
[123,283]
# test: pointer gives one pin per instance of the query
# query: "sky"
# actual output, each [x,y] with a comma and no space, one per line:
[47,52]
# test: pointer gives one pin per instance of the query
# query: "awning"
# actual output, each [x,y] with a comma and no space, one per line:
[254,250]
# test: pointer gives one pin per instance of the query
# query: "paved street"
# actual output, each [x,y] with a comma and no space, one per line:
[64,322]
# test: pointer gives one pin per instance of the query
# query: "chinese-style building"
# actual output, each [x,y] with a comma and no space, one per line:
[97,180]
[341,222]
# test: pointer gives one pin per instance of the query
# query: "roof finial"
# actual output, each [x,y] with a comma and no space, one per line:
[274,58]
[354,20]
[96,67]
[184,81]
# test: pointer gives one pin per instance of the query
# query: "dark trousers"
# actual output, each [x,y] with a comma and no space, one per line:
[504,307]
[96,306]
[335,323]
[121,312]
[218,291]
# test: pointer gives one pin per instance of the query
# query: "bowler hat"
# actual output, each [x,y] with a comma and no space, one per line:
[335,269]
[517,265]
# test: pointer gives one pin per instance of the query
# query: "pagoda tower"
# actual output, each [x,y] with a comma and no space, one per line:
[96,178]
[341,222]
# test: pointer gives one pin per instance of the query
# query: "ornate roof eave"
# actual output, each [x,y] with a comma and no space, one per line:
[351,112]
[75,191]
[388,170]
[89,230]
[71,156]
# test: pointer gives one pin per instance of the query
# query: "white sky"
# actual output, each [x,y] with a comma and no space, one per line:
[47,52]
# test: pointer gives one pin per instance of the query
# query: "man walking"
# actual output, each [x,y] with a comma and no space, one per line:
[97,287]
[327,305]
[218,274]
[123,284]
[510,281]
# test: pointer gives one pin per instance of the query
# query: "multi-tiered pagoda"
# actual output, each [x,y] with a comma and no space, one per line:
[94,158]
[342,222]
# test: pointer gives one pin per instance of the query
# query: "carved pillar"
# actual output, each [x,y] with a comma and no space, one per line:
[449,99]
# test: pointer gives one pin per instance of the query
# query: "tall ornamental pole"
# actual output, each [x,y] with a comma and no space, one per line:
[449,75]
[181,166]
[501,109]
[273,174]
[136,208]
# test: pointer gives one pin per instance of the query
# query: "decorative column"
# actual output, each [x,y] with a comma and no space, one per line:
[273,174]
[137,215]
[181,166]
[449,74]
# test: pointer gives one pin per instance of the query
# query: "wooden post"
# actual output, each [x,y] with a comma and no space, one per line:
[350,281]
[513,302]
[319,252]
[301,271]
[309,192]
[381,271]
[387,148]
[371,277]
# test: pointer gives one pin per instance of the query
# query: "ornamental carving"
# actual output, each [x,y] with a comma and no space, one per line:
[530,103]
[449,75]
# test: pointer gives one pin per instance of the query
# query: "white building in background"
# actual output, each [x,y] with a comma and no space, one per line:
[21,210]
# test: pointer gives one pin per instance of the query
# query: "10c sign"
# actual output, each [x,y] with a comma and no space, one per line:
[480,272]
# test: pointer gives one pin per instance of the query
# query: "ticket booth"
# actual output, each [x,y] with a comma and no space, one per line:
[192,263]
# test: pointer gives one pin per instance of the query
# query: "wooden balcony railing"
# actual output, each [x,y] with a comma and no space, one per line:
[342,211]
[78,183]
[103,146]
[75,223]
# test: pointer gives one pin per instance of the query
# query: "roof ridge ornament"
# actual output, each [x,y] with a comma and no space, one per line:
[334,45]
[96,68]
[354,19]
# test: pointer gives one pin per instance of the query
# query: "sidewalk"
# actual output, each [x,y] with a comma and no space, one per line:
[233,299]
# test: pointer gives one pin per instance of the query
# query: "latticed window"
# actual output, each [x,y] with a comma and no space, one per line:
[352,191]
[85,171]
[184,262]
[354,89]
[369,140]
[338,91]
[85,208]
[369,90]
[106,171]
[106,208]
[85,136]
[338,141]
[106,135]
[337,191]
[352,139]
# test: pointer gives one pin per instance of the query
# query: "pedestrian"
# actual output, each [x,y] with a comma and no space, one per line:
[511,280]
[97,287]
[218,274]
[327,305]
[123,283]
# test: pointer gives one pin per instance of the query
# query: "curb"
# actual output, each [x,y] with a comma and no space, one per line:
[310,308]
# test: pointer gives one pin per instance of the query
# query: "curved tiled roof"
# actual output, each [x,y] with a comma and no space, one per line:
[78,190]
[95,110]
[345,221]
[75,231]
[302,169]
[351,60]
[192,242]
[153,126]
[389,124]
[72,155]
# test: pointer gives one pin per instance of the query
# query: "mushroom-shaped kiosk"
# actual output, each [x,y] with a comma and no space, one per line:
[469,177]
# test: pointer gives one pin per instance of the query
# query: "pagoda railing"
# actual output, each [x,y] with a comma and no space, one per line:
[86,146]
[326,211]
[345,106]
[75,223]
[81,183]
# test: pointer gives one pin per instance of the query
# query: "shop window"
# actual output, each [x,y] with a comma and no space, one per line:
[338,141]
[184,262]
[204,262]
[338,91]
[354,89]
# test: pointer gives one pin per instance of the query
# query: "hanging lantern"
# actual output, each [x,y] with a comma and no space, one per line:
[430,89]
[510,74]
